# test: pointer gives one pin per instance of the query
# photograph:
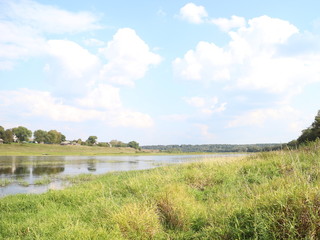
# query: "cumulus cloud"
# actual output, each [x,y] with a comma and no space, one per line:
[253,59]
[129,58]
[32,103]
[206,106]
[103,96]
[74,60]
[193,13]
[226,24]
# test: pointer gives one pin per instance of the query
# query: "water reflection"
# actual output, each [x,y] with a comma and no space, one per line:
[46,170]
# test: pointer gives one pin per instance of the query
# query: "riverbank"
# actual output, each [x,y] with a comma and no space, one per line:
[32,149]
[263,196]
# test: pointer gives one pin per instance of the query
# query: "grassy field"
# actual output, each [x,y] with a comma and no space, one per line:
[263,196]
[59,150]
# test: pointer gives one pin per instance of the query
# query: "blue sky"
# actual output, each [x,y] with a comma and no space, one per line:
[161,72]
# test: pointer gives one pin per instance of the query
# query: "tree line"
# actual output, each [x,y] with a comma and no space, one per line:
[22,135]
[220,148]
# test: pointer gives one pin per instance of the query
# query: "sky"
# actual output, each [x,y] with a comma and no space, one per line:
[162,71]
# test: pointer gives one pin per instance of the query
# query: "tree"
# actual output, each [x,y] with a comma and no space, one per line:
[116,143]
[55,137]
[8,136]
[92,140]
[2,132]
[40,136]
[311,133]
[133,144]
[22,133]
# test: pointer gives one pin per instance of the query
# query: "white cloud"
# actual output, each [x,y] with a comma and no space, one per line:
[207,62]
[193,13]
[103,96]
[31,103]
[206,106]
[72,59]
[93,42]
[49,19]
[129,58]
[23,25]
[259,117]
[175,117]
[196,101]
[204,132]
[253,59]
[226,24]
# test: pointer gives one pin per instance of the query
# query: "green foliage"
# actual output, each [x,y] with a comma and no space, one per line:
[116,143]
[41,136]
[311,133]
[215,148]
[55,137]
[133,144]
[92,140]
[22,133]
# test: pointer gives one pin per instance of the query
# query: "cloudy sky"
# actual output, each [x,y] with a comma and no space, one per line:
[161,72]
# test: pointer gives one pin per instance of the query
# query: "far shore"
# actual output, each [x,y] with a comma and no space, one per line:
[32,149]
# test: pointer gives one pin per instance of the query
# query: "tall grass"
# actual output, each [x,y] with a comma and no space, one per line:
[264,196]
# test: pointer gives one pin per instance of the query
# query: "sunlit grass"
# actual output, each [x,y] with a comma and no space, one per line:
[263,196]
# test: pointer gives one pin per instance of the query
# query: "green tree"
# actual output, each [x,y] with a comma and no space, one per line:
[91,140]
[2,131]
[116,143]
[133,144]
[55,137]
[311,133]
[8,136]
[22,133]
[40,136]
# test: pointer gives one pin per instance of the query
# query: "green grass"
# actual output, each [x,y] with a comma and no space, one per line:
[31,149]
[263,196]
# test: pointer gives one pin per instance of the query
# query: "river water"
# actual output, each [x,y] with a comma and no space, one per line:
[27,174]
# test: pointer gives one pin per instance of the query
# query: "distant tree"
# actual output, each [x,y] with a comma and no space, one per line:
[8,136]
[40,136]
[55,137]
[116,143]
[91,140]
[22,133]
[2,131]
[133,144]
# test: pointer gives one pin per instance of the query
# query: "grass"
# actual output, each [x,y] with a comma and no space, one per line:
[30,149]
[263,196]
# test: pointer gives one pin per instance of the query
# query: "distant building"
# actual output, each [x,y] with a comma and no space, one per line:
[1,141]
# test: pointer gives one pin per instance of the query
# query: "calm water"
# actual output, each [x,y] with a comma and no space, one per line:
[22,173]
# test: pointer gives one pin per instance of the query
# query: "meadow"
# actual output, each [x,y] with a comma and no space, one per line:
[30,149]
[271,195]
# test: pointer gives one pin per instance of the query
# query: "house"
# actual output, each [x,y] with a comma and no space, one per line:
[1,141]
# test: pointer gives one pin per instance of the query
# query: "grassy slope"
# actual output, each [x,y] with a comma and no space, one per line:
[265,196]
[53,149]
